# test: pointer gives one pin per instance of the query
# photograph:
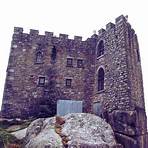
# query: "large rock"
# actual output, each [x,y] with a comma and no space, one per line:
[123,122]
[87,129]
[130,127]
[72,130]
[41,133]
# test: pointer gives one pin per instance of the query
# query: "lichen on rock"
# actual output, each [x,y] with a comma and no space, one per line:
[72,130]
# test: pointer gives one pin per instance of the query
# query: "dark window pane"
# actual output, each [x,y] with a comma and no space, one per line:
[80,63]
[138,56]
[39,57]
[53,54]
[68,83]
[41,81]
[69,62]
[100,79]
[100,49]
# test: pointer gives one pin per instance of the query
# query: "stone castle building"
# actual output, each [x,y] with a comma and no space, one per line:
[104,70]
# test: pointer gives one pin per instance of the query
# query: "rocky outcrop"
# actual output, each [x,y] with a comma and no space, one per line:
[87,129]
[129,127]
[72,130]
[41,133]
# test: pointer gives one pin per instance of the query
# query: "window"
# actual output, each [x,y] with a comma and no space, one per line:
[39,57]
[100,49]
[69,62]
[68,83]
[53,53]
[138,55]
[100,79]
[80,63]
[41,81]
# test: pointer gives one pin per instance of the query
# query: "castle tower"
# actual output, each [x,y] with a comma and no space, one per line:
[117,54]
[118,83]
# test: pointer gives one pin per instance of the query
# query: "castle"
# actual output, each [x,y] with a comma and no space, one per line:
[104,69]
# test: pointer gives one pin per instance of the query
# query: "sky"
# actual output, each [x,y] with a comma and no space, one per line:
[72,17]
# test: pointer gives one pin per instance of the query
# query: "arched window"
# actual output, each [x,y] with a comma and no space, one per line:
[100,79]
[100,48]
[39,57]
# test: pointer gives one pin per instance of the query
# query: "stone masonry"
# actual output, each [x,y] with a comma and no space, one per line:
[104,69]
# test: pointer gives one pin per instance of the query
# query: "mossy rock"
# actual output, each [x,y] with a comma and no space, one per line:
[8,139]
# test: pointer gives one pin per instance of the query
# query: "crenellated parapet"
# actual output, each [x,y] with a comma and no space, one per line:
[19,35]
[18,32]
[110,26]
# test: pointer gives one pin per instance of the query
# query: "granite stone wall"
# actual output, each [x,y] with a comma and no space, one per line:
[114,62]
[32,58]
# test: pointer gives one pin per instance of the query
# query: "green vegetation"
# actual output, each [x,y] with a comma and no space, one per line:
[6,137]
[8,126]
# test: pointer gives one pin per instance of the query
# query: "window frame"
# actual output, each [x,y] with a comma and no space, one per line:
[100,80]
[80,64]
[69,62]
[68,83]
[100,49]
[39,55]
[53,54]
[41,81]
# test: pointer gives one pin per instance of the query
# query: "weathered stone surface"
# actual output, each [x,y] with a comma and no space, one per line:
[117,146]
[88,146]
[80,129]
[123,122]
[127,141]
[41,133]
[129,132]
[20,134]
[86,128]
[143,140]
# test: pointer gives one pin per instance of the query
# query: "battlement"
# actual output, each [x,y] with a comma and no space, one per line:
[110,25]
[49,35]
[35,33]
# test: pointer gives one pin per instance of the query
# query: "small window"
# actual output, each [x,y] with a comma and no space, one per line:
[69,62]
[100,79]
[41,81]
[53,54]
[100,49]
[80,63]
[68,83]
[138,55]
[39,57]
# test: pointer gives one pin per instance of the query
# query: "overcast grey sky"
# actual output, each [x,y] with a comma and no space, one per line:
[73,17]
